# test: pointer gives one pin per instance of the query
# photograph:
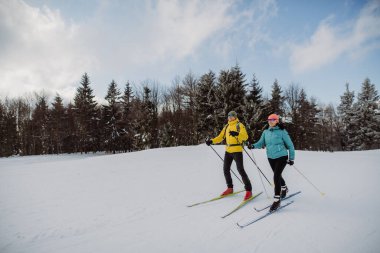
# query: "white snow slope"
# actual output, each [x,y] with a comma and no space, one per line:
[137,202]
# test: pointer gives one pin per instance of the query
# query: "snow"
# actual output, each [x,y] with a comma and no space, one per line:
[137,202]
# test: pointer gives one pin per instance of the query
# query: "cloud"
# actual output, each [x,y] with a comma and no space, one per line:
[181,26]
[248,27]
[38,51]
[44,48]
[330,42]
[162,34]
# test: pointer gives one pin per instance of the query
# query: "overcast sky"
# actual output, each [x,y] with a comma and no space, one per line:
[319,44]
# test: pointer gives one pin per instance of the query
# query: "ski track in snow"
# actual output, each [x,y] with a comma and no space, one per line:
[137,202]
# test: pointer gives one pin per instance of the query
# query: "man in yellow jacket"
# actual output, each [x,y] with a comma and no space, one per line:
[235,134]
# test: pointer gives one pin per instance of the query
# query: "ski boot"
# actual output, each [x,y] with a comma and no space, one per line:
[227,192]
[248,194]
[276,204]
[284,191]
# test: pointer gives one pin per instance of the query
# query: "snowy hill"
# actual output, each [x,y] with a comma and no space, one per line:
[136,202]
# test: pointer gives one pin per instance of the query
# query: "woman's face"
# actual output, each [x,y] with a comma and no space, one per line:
[272,122]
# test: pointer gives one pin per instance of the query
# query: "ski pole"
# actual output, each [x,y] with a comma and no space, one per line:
[261,178]
[257,166]
[223,161]
[322,193]
[253,161]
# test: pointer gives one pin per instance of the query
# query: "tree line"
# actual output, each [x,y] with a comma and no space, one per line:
[192,109]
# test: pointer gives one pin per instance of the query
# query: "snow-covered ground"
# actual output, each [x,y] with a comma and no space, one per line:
[137,202]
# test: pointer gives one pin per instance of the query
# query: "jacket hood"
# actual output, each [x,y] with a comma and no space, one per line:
[233,122]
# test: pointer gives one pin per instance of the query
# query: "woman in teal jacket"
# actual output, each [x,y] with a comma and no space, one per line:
[277,142]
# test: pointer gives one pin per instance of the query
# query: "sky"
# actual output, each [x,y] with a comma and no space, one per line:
[320,45]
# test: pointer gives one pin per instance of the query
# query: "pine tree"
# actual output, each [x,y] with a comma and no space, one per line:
[112,118]
[57,125]
[222,88]
[127,122]
[86,116]
[236,100]
[366,109]
[23,111]
[12,132]
[175,97]
[327,128]
[2,130]
[154,117]
[167,138]
[149,121]
[205,103]
[40,126]
[70,139]
[8,131]
[307,114]
[347,117]
[301,117]
[139,119]
[190,114]
[276,103]
[292,117]
[231,91]
[254,112]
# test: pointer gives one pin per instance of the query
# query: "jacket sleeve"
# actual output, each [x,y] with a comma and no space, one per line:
[261,142]
[289,144]
[243,135]
[220,137]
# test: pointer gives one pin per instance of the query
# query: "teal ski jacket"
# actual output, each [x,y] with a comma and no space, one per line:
[277,142]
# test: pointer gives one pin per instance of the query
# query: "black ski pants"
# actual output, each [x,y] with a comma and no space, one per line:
[238,157]
[278,166]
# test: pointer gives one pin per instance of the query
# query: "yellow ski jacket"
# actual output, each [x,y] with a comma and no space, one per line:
[233,144]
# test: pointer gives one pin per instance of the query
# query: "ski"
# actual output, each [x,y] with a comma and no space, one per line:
[287,197]
[241,205]
[214,199]
[265,215]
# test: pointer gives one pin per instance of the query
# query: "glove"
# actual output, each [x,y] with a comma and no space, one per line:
[234,133]
[250,145]
[290,162]
[208,142]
